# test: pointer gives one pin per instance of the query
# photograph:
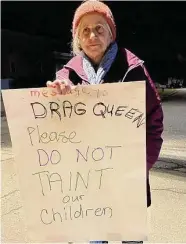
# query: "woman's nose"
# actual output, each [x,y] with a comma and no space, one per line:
[92,35]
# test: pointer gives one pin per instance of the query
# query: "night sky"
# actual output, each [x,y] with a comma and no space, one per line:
[143,27]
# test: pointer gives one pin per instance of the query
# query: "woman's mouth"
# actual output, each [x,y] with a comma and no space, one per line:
[94,45]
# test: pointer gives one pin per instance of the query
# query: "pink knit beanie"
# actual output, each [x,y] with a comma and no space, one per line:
[94,6]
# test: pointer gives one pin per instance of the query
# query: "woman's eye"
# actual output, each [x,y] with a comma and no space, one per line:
[86,31]
[99,29]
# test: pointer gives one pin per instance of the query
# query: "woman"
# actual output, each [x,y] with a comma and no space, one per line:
[98,59]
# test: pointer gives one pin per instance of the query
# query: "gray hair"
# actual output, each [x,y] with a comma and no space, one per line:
[75,44]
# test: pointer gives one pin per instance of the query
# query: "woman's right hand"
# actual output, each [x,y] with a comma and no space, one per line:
[63,87]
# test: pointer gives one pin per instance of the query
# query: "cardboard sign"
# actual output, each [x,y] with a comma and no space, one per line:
[81,161]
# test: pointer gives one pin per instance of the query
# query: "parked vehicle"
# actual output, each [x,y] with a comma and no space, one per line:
[175,83]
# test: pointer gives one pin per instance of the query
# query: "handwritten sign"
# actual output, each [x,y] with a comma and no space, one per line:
[81,161]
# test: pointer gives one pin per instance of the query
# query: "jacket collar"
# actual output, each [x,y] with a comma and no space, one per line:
[76,63]
[132,59]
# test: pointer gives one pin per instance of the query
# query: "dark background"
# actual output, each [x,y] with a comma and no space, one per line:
[154,31]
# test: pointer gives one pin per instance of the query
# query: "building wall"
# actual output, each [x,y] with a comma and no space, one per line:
[28,60]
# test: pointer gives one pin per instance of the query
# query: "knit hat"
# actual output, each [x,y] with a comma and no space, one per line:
[94,6]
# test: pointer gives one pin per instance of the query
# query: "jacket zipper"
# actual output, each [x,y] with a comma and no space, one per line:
[131,68]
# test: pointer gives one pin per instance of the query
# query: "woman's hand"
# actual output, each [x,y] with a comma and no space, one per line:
[62,86]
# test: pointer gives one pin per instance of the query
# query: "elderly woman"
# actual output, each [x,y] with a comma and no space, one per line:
[98,59]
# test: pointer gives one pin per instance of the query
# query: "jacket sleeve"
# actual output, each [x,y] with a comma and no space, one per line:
[154,122]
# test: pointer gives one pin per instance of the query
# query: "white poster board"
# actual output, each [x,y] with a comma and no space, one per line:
[81,161]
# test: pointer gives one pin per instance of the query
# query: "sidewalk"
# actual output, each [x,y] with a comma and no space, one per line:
[166,216]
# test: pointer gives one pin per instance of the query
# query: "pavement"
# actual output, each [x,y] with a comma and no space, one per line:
[166,216]
[173,153]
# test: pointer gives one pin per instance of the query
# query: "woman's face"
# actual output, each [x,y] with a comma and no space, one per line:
[94,36]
